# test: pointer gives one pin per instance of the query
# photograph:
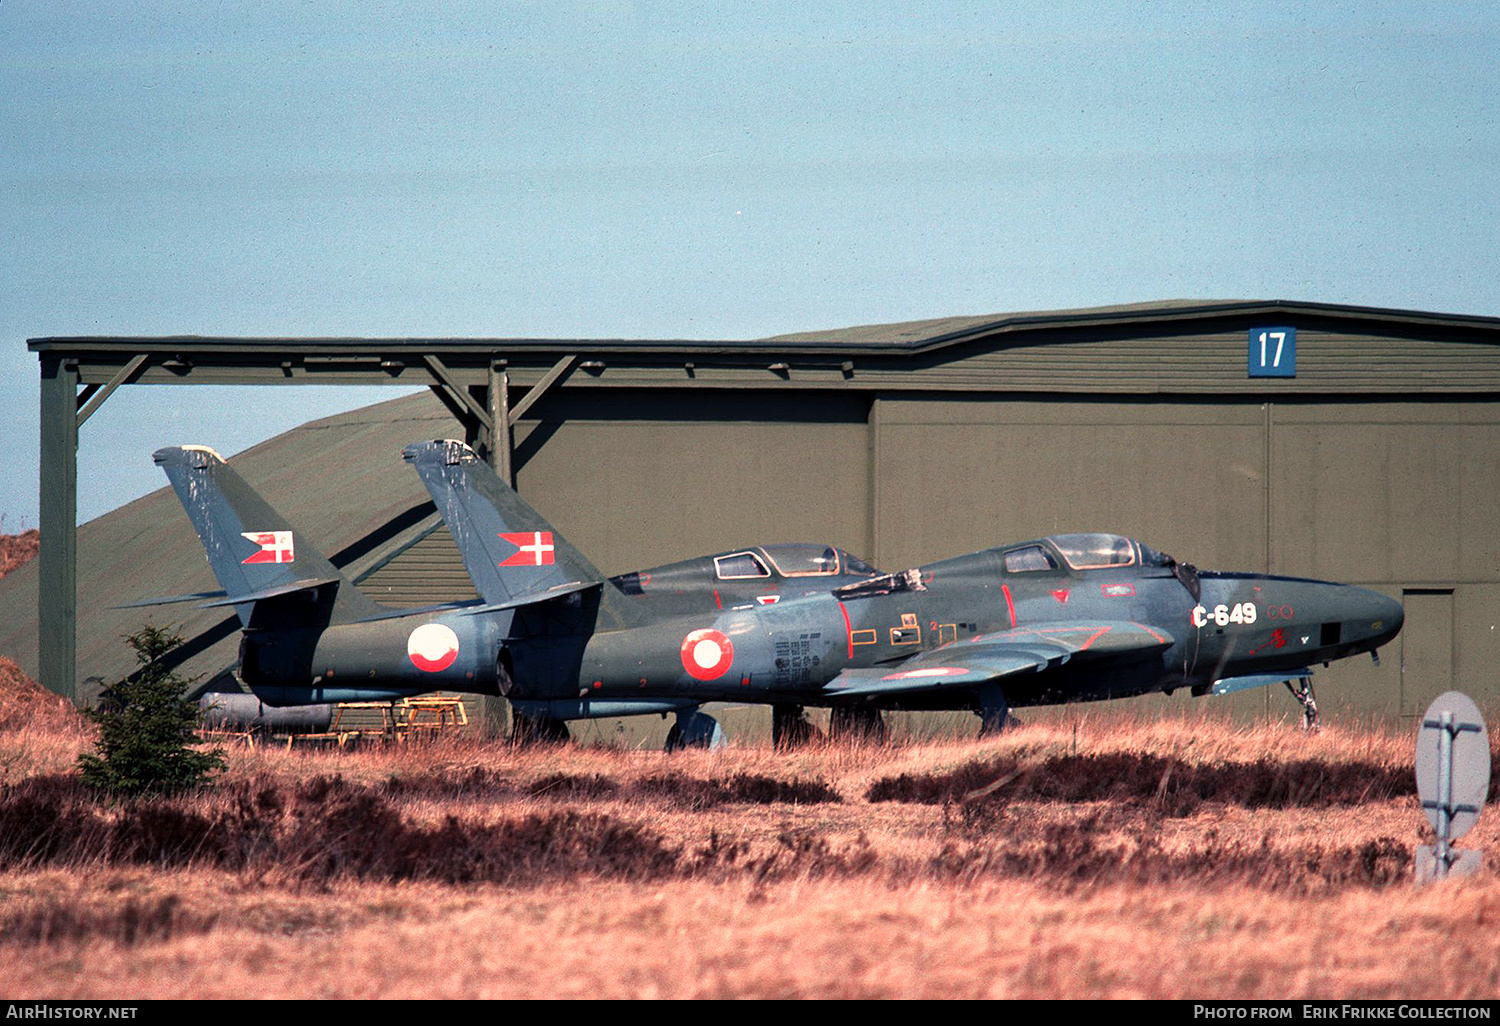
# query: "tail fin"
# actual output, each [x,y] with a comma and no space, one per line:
[260,560]
[512,554]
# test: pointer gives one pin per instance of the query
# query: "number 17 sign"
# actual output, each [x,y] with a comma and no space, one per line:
[1273,353]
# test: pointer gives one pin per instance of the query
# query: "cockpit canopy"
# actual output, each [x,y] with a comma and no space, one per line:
[1095,551]
[1085,552]
[797,559]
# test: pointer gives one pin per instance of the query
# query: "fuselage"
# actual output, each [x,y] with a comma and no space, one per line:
[1238,624]
[775,638]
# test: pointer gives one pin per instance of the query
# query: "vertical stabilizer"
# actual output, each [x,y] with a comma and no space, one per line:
[509,550]
[255,554]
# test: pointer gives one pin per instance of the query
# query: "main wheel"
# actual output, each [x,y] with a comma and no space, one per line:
[791,729]
[992,711]
[857,724]
[538,730]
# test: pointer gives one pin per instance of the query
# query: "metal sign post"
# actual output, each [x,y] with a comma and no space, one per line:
[1453,780]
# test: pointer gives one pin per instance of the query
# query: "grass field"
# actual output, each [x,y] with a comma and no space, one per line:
[1101,857]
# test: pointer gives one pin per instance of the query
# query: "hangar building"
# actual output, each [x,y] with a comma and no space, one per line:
[1346,443]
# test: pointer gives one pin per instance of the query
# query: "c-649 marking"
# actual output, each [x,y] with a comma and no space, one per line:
[1223,616]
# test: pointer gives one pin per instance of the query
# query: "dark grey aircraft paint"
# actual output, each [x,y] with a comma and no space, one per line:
[1067,618]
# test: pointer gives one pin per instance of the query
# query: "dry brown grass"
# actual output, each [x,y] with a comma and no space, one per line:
[48,720]
[1185,858]
[217,936]
[16,549]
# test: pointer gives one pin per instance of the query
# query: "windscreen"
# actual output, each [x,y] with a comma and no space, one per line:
[738,565]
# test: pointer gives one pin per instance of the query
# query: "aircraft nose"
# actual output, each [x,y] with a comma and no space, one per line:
[1380,617]
[1393,613]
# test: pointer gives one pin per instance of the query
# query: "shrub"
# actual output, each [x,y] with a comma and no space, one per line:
[147,733]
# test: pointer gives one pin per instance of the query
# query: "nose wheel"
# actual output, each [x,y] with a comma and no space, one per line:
[1302,691]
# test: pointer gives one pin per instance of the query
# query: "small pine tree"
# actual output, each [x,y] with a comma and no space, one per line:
[147,734]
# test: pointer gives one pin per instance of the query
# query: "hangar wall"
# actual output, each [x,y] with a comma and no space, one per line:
[642,479]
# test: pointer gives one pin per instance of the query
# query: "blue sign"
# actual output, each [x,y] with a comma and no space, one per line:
[1273,353]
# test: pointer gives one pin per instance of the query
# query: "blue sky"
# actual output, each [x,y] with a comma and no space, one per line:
[701,171]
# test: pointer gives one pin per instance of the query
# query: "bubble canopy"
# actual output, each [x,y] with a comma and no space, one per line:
[802,560]
[1105,551]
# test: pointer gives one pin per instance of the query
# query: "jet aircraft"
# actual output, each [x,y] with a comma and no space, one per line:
[1071,617]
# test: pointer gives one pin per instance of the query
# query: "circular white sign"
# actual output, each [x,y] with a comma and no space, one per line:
[1471,759]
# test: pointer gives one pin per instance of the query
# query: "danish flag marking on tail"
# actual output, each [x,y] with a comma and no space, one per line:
[275,547]
[533,548]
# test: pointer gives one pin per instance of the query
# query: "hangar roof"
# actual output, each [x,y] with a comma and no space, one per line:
[928,334]
[907,335]
[1107,348]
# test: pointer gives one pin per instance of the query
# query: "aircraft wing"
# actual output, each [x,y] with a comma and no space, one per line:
[991,657]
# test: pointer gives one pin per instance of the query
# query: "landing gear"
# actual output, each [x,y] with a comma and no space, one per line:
[791,729]
[694,729]
[858,724]
[992,711]
[537,730]
[1302,691]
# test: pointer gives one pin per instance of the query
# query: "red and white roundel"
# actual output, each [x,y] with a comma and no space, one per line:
[432,647]
[706,654]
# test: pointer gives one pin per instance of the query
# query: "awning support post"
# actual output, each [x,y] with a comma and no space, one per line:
[57,560]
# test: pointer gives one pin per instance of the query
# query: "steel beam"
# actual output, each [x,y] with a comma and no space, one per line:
[459,392]
[459,411]
[540,388]
[57,561]
[502,441]
[876,455]
[94,396]
[493,711]
[86,395]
